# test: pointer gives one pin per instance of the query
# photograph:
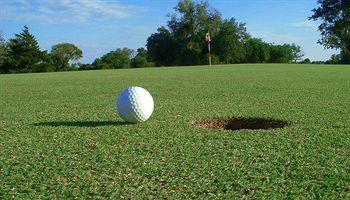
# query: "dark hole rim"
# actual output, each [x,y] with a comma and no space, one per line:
[241,123]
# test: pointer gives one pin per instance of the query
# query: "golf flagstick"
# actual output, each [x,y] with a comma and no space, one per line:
[208,40]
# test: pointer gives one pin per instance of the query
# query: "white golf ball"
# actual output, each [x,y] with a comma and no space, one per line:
[135,104]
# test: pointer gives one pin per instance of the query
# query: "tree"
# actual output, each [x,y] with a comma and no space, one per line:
[335,28]
[281,53]
[296,52]
[192,20]
[257,51]
[142,52]
[63,53]
[2,51]
[318,62]
[45,65]
[120,58]
[141,59]
[306,61]
[229,43]
[182,43]
[23,53]
[163,49]
[335,59]
[85,66]
[189,24]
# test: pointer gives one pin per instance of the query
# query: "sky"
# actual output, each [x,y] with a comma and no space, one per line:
[101,26]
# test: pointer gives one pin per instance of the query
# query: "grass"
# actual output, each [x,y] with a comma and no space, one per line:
[61,137]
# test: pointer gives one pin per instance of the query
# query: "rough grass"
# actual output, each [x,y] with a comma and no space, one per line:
[61,137]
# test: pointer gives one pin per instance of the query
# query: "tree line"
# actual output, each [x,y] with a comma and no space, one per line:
[181,42]
[22,54]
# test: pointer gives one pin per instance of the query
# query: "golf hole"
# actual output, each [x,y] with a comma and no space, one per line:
[240,123]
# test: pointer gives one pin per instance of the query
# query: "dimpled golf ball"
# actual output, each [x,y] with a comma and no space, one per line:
[135,104]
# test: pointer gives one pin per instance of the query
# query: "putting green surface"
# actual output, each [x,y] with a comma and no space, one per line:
[60,134]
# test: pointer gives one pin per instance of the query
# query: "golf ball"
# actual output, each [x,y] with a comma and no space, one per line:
[135,104]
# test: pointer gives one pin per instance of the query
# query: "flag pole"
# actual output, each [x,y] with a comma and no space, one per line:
[209,54]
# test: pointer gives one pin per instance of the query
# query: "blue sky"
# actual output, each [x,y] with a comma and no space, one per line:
[100,26]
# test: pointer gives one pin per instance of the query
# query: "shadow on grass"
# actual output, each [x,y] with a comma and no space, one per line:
[81,123]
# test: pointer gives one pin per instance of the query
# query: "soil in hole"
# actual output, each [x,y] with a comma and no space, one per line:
[241,123]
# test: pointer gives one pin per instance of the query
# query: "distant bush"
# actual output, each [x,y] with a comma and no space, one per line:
[85,66]
[140,62]
[215,60]
[318,62]
[141,59]
[257,51]
[335,59]
[119,58]
[305,61]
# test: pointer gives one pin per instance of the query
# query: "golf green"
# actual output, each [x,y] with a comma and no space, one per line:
[61,136]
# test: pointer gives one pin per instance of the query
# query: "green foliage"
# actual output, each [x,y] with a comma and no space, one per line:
[141,59]
[318,62]
[257,51]
[335,27]
[84,66]
[142,52]
[46,64]
[3,52]
[296,52]
[282,53]
[183,43]
[120,58]
[215,60]
[23,53]
[191,21]
[229,44]
[163,49]
[139,62]
[306,61]
[63,53]
[335,59]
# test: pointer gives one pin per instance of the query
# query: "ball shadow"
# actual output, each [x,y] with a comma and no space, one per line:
[81,123]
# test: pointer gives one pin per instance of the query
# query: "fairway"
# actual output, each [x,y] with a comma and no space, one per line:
[61,136]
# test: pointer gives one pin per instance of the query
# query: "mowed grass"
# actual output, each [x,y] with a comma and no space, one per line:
[60,134]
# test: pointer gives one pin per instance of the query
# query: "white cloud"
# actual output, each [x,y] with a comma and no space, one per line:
[306,24]
[66,11]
